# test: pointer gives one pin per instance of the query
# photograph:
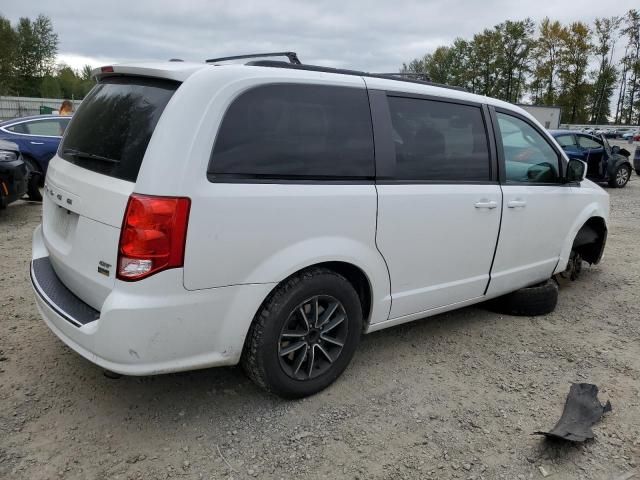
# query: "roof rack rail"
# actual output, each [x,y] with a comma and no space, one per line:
[292,56]
[420,76]
[317,68]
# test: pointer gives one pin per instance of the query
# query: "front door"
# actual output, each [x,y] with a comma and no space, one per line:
[537,205]
[594,153]
[439,209]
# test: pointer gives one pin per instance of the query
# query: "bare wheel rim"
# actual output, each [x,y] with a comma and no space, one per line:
[313,337]
[622,176]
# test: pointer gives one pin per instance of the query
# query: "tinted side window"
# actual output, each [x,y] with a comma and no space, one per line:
[528,156]
[439,141]
[50,128]
[566,141]
[63,123]
[19,128]
[588,142]
[296,131]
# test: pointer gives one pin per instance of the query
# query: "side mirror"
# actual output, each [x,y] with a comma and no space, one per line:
[576,171]
[615,149]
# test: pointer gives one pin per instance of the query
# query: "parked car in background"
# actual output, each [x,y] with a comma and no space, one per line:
[605,163]
[38,138]
[621,131]
[635,134]
[14,174]
[271,213]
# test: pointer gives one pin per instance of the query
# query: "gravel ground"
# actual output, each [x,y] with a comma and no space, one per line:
[453,396]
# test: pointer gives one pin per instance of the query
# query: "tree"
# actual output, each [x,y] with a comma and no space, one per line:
[86,74]
[606,75]
[513,58]
[573,59]
[36,45]
[46,45]
[630,111]
[50,87]
[546,56]
[25,62]
[7,57]
[484,57]
[446,65]
[622,87]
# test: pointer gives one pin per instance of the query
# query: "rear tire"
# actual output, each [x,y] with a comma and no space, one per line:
[33,185]
[531,301]
[620,177]
[320,345]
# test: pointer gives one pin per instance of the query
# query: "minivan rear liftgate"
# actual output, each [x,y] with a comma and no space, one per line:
[87,191]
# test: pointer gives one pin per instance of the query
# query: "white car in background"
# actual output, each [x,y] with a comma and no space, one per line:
[199,215]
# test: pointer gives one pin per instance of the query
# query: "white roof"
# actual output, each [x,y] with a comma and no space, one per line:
[180,71]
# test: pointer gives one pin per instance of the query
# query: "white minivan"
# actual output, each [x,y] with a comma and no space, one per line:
[270,213]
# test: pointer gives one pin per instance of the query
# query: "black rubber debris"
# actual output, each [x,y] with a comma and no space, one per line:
[582,409]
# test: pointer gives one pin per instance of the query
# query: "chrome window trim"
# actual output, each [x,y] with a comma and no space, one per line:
[20,122]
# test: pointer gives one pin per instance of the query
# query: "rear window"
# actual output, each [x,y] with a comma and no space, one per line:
[296,131]
[112,127]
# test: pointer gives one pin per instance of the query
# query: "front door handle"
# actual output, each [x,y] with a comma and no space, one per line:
[516,204]
[486,204]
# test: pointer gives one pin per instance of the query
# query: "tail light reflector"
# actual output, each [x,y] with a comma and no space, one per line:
[153,236]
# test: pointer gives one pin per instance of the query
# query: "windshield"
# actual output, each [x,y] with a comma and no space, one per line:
[112,127]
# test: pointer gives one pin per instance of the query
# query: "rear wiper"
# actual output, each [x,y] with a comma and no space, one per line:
[90,156]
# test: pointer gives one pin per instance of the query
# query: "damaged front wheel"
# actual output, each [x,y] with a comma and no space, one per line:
[574,267]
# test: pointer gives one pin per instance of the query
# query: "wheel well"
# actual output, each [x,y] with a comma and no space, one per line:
[591,239]
[358,279]
[30,159]
[355,276]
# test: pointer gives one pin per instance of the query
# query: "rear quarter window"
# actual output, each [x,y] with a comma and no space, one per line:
[292,131]
[112,127]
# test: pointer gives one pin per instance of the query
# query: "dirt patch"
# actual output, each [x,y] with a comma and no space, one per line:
[453,396]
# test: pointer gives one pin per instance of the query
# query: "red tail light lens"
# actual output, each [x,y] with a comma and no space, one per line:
[153,235]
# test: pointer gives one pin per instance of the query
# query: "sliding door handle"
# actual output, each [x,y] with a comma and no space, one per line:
[516,204]
[486,204]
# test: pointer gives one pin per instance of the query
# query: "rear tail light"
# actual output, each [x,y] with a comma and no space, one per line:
[153,236]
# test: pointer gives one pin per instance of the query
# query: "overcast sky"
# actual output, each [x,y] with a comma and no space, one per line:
[359,34]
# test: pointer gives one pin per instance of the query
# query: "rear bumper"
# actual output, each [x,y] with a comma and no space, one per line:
[152,326]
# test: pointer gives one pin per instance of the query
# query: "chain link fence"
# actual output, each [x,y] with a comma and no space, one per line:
[12,107]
